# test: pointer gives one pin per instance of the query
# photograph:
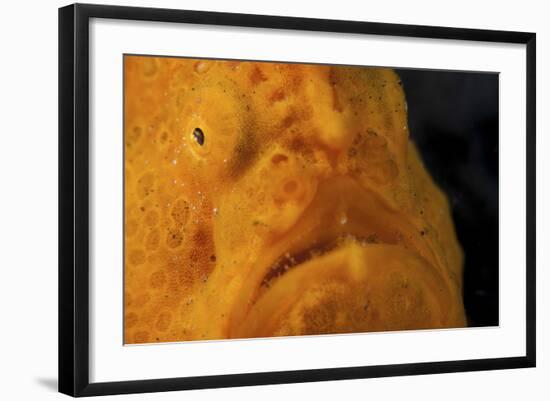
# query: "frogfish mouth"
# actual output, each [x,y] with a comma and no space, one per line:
[268,199]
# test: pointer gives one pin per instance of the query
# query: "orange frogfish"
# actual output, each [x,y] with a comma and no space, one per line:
[271,199]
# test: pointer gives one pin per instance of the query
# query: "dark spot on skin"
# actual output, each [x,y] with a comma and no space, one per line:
[277,96]
[201,239]
[279,158]
[257,76]
[245,153]
[336,105]
[288,121]
[332,76]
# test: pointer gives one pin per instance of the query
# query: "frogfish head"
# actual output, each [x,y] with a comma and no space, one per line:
[267,199]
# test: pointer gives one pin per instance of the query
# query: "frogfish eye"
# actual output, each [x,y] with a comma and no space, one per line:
[199,136]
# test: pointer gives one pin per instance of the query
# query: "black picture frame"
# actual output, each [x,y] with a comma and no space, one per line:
[74,194]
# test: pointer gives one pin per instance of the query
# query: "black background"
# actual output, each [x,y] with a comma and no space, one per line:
[453,119]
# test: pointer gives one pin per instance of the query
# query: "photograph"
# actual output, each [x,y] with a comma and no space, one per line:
[258,199]
[273,199]
[266,201]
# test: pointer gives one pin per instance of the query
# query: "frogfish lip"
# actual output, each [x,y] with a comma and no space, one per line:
[288,261]
[342,216]
[400,288]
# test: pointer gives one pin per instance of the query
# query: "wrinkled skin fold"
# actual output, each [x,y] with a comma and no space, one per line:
[266,199]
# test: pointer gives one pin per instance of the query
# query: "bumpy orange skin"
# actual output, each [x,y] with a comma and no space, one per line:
[306,210]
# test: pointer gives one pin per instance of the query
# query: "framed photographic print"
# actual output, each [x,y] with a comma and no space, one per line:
[249,199]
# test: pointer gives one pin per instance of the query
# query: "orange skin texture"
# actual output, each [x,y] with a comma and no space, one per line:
[306,210]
